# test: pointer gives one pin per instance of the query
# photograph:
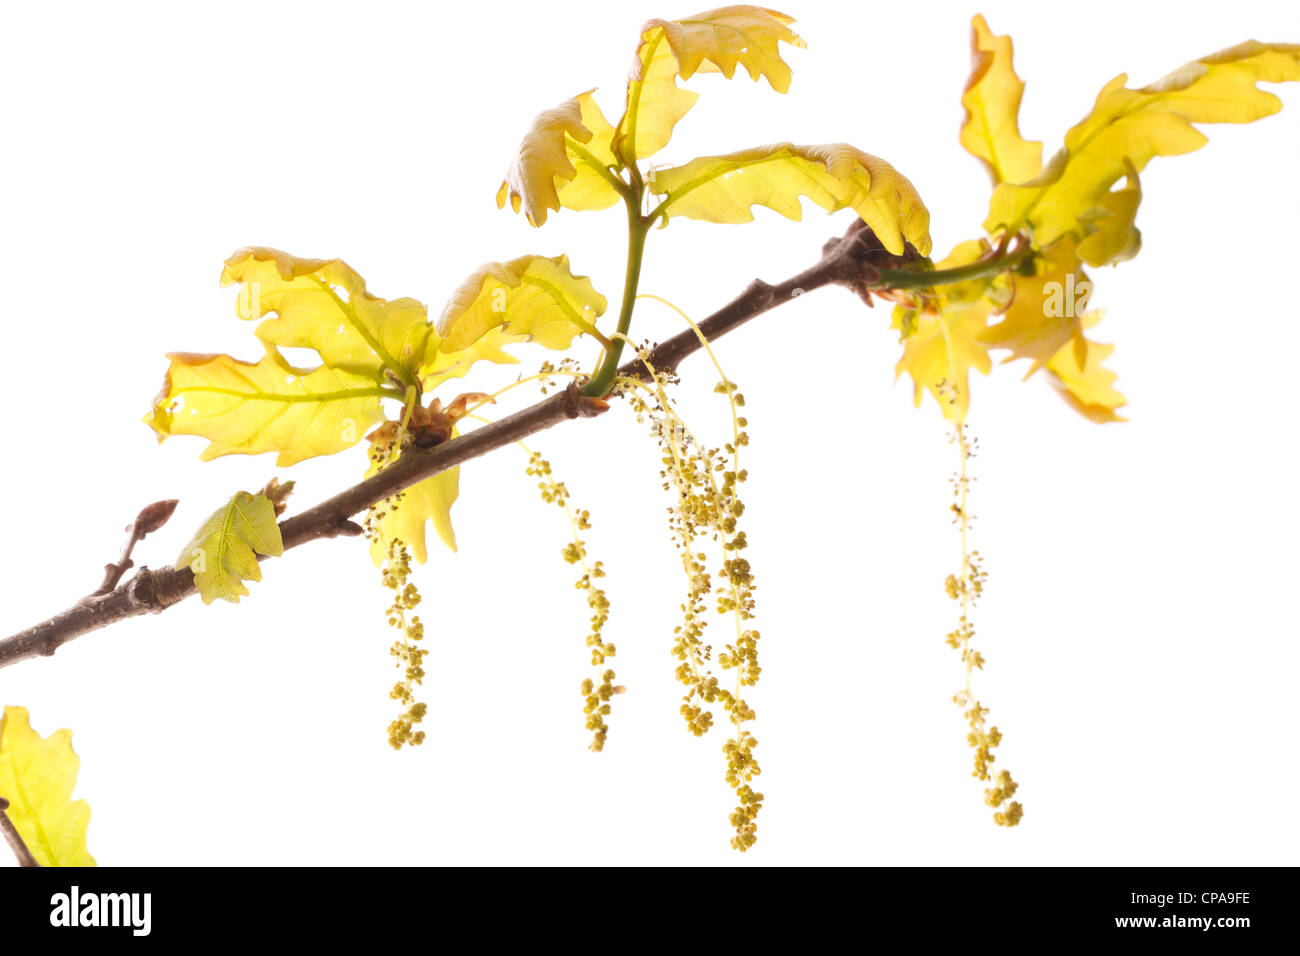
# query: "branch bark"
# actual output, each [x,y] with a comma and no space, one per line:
[14,838]
[850,260]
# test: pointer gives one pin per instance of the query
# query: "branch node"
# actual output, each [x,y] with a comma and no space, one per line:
[156,591]
[858,255]
[578,405]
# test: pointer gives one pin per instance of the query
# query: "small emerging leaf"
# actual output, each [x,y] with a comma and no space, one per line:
[37,777]
[1111,234]
[532,296]
[991,131]
[563,160]
[714,41]
[223,553]
[836,176]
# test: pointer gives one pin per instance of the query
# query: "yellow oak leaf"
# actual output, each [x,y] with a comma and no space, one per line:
[564,160]
[426,501]
[530,296]
[1087,387]
[223,553]
[944,344]
[37,777]
[443,364]
[835,176]
[322,304]
[370,348]
[711,42]
[1046,309]
[991,129]
[1127,128]
[253,407]
[940,355]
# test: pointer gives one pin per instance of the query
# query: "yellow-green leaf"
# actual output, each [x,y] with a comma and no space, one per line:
[532,295]
[425,501]
[714,41]
[249,408]
[1087,387]
[940,355]
[37,776]
[1127,128]
[323,305]
[991,131]
[223,553]
[835,176]
[563,161]
[945,345]
[443,364]
[1046,310]
[1111,234]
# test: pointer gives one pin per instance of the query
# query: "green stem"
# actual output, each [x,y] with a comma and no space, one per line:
[927,279]
[638,227]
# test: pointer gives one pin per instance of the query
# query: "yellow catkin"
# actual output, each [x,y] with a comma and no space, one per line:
[395,574]
[707,506]
[597,691]
[966,587]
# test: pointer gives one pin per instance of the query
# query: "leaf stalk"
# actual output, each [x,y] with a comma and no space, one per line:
[638,227]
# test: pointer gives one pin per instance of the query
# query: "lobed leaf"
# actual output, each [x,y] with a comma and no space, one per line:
[1127,128]
[223,553]
[37,777]
[714,41]
[254,407]
[426,501]
[1046,309]
[369,348]
[322,304]
[991,130]
[836,176]
[1086,386]
[563,161]
[1112,235]
[945,345]
[530,296]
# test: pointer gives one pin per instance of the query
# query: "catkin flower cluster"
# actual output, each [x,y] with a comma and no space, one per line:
[597,692]
[410,656]
[406,649]
[966,587]
[704,484]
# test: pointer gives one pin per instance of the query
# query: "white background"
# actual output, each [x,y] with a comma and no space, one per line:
[1139,622]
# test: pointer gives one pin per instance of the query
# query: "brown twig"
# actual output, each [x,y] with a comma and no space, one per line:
[150,519]
[845,261]
[14,838]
